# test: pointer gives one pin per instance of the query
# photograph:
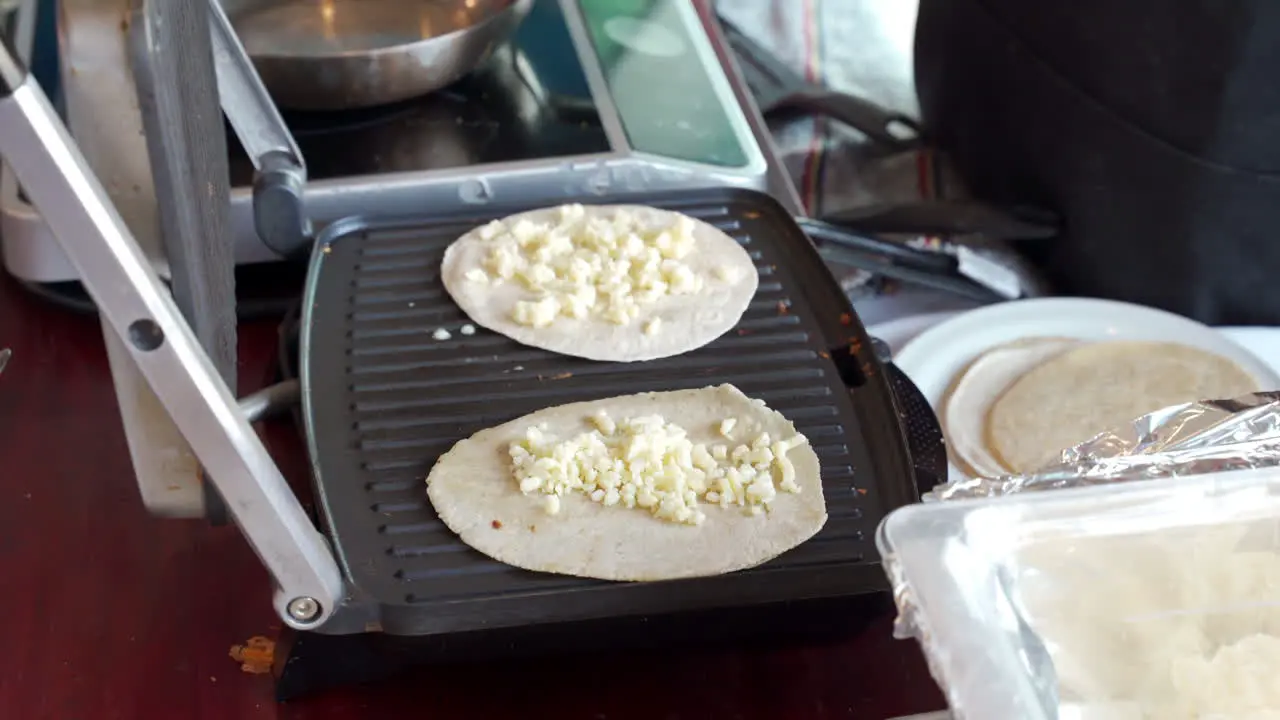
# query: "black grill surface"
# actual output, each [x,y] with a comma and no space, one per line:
[384,399]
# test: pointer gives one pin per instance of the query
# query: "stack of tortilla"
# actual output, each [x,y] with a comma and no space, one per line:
[1016,407]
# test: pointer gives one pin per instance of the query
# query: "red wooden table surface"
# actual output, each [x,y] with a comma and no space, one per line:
[110,613]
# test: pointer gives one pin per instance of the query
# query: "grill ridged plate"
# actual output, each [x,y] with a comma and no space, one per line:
[383,399]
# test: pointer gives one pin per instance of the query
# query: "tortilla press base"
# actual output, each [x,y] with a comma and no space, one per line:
[383,399]
[307,663]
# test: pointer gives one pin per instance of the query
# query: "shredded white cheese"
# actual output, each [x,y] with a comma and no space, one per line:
[726,427]
[1178,624]
[586,266]
[727,274]
[649,463]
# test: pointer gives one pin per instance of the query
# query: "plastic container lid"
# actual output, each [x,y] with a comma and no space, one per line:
[1134,600]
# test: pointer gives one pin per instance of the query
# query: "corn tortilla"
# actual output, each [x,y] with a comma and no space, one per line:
[687,322]
[474,493]
[1079,393]
[968,400]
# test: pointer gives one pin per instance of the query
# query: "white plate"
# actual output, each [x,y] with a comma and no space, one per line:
[934,357]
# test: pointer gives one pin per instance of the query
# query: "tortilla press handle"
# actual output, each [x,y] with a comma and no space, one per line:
[136,304]
[279,213]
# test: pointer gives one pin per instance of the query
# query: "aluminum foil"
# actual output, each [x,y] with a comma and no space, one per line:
[1189,439]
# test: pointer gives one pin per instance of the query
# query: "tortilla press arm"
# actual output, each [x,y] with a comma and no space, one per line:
[135,303]
[280,172]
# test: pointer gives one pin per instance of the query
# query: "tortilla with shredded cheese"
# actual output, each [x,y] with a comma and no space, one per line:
[685,322]
[475,494]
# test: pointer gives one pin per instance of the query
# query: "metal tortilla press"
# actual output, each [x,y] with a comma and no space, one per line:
[375,572]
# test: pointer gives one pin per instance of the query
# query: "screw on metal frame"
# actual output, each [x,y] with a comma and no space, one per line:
[304,609]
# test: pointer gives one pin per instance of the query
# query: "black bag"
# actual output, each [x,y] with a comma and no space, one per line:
[1153,126]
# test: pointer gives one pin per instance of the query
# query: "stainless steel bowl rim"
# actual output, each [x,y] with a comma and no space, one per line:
[388,49]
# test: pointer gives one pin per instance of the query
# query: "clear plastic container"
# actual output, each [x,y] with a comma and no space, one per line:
[1156,599]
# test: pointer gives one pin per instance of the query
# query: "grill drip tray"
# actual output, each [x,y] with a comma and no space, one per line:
[383,399]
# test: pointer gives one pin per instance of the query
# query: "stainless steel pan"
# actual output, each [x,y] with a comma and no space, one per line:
[338,54]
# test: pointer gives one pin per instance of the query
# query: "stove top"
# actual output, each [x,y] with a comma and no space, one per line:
[529,101]
[591,98]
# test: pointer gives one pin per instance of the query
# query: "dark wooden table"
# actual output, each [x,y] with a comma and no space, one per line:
[110,613]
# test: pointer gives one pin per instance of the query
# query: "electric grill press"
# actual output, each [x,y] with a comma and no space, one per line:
[376,580]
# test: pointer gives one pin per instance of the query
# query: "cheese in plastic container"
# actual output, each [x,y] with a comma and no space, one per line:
[1127,601]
